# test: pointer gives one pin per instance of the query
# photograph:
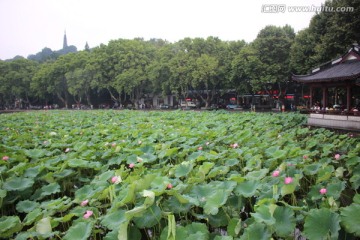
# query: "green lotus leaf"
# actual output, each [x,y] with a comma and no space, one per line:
[43,226]
[169,152]
[113,235]
[221,170]
[288,189]
[218,197]
[325,173]
[149,218]
[322,224]
[33,172]
[355,179]
[3,194]
[181,233]
[159,184]
[247,188]
[79,163]
[199,194]
[285,221]
[264,213]
[352,161]
[356,198]
[148,149]
[9,225]
[312,169]
[59,204]
[85,192]
[197,230]
[26,206]
[220,219]
[256,231]
[193,156]
[134,233]
[231,162]
[33,216]
[223,238]
[350,218]
[205,167]
[50,189]
[26,235]
[175,206]
[334,189]
[79,230]
[256,175]
[63,174]
[113,220]
[18,183]
[183,169]
[148,158]
[35,153]
[234,227]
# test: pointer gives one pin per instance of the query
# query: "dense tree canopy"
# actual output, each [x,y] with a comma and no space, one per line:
[125,71]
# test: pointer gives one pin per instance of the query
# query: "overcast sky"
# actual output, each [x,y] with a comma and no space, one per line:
[27,26]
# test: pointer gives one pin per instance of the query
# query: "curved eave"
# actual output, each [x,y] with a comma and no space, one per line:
[308,79]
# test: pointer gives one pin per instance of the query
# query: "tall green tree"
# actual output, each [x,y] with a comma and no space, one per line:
[302,52]
[80,76]
[132,76]
[51,79]
[272,46]
[16,79]
[340,29]
[180,67]
[204,76]
[246,67]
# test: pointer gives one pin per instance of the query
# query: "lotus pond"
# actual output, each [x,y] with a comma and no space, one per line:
[175,175]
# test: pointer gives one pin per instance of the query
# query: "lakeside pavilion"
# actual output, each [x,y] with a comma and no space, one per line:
[334,92]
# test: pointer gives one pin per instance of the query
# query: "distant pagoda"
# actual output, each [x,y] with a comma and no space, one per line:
[65,45]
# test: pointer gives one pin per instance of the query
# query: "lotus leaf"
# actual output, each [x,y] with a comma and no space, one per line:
[27,206]
[350,218]
[79,230]
[322,224]
[18,184]
[9,225]
[256,231]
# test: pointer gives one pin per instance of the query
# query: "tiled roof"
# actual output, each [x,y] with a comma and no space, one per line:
[347,70]
[346,67]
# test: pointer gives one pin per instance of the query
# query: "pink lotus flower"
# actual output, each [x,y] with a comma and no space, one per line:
[200,148]
[131,165]
[88,214]
[323,191]
[337,156]
[288,180]
[276,173]
[169,186]
[116,179]
[305,157]
[84,203]
[67,150]
[113,144]
[235,145]
[5,158]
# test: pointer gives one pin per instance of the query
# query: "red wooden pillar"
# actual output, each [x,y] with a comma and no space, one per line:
[348,97]
[324,98]
[311,96]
